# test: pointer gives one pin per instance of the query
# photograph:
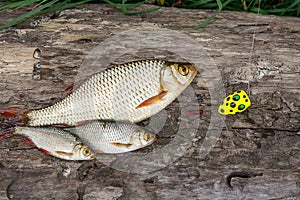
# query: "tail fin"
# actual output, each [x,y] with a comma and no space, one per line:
[12,117]
[7,133]
[10,112]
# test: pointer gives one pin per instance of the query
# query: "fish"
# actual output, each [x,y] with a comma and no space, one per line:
[129,92]
[112,137]
[55,142]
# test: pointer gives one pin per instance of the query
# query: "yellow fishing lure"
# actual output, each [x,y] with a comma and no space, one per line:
[239,101]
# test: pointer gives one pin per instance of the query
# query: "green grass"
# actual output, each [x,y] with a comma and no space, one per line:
[267,7]
[41,7]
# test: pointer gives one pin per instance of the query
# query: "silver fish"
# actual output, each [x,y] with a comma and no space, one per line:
[112,137]
[56,142]
[129,92]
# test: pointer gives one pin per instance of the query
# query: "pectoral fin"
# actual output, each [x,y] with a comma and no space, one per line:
[121,145]
[153,100]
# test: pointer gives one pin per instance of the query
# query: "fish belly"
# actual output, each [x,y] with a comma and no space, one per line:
[101,136]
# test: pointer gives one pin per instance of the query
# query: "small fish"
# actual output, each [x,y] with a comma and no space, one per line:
[112,137]
[55,142]
[234,103]
[128,92]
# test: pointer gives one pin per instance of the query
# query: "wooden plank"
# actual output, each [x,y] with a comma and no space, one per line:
[263,50]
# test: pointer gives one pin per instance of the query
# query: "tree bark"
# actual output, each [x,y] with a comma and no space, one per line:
[258,150]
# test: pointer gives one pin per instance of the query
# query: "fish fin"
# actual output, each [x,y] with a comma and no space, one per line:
[60,125]
[62,153]
[45,151]
[81,122]
[7,133]
[28,141]
[153,100]
[98,151]
[72,87]
[10,112]
[13,117]
[117,144]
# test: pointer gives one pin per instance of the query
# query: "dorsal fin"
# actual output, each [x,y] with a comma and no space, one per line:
[69,89]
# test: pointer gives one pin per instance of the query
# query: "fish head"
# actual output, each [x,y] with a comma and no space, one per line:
[143,137]
[82,152]
[176,76]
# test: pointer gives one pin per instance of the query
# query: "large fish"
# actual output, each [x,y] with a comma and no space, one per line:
[112,137]
[129,92]
[56,142]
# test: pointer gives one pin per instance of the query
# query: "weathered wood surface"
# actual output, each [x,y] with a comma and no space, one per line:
[244,46]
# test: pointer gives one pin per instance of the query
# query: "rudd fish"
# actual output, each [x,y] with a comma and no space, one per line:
[55,142]
[128,92]
[112,137]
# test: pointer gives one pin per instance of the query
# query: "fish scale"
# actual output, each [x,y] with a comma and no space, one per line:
[56,142]
[115,94]
[112,137]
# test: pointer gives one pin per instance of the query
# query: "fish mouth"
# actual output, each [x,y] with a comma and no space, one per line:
[155,137]
[194,71]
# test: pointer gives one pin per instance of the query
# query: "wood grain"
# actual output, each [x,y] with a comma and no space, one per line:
[245,47]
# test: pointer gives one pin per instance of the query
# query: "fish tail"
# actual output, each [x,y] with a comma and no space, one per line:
[10,112]
[12,117]
[7,133]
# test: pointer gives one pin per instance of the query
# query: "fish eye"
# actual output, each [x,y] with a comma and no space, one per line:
[147,136]
[86,151]
[183,70]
